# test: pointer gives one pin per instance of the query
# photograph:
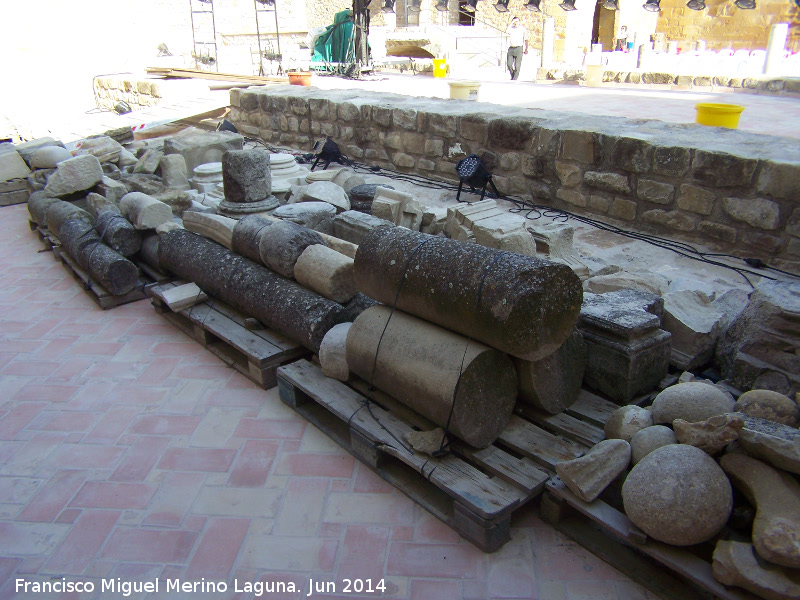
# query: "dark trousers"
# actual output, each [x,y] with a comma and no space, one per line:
[514,61]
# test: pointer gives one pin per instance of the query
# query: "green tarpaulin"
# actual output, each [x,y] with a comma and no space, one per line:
[336,44]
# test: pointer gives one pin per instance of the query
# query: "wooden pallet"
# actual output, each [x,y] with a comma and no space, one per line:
[220,329]
[97,292]
[473,491]
[50,241]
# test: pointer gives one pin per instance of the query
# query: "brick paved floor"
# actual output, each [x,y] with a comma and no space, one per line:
[129,452]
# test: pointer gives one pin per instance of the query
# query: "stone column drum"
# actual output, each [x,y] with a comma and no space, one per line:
[524,306]
[418,363]
[248,183]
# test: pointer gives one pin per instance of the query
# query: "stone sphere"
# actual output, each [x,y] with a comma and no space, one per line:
[692,402]
[648,439]
[769,405]
[626,421]
[679,495]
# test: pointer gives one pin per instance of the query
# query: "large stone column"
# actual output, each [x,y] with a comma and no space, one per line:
[418,363]
[524,306]
[248,183]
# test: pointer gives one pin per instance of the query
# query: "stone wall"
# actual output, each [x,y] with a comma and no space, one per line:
[737,192]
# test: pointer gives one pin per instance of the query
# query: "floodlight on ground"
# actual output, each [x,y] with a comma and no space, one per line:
[533,5]
[388,6]
[652,5]
[474,173]
[441,6]
[568,5]
[414,6]
[747,4]
[471,5]
[696,4]
[611,4]
[501,5]
[267,2]
[327,151]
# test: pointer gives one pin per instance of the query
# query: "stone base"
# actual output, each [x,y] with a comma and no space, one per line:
[237,210]
[625,369]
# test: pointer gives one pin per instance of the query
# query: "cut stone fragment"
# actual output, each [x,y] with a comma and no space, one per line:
[307,214]
[246,176]
[183,296]
[769,405]
[736,564]
[333,352]
[327,272]
[199,147]
[354,226]
[329,192]
[626,421]
[711,435]
[777,444]
[48,157]
[282,244]
[117,232]
[145,212]
[694,401]
[173,172]
[214,227]
[588,475]
[74,175]
[247,235]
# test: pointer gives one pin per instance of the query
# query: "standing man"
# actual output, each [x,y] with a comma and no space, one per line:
[518,40]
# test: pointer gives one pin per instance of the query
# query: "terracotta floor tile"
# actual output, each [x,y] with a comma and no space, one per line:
[218,549]
[197,459]
[122,496]
[82,542]
[253,464]
[148,545]
[53,496]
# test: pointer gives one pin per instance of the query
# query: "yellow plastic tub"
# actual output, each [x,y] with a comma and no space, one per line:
[718,115]
[464,90]
[440,68]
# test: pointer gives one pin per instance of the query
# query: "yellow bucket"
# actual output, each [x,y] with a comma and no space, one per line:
[440,68]
[464,90]
[718,115]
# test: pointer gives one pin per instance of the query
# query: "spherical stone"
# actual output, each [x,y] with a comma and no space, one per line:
[678,494]
[693,402]
[769,405]
[626,421]
[648,439]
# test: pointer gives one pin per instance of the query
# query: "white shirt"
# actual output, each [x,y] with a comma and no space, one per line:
[517,35]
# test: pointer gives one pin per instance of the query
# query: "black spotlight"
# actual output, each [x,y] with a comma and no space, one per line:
[611,4]
[745,4]
[388,6]
[226,125]
[441,6]
[471,5]
[327,151]
[568,5]
[696,5]
[473,172]
[652,5]
[415,5]
[533,5]
[501,5]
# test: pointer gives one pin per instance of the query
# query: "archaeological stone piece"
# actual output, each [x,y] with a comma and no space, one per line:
[214,227]
[652,283]
[711,435]
[117,232]
[587,476]
[358,304]
[678,494]
[145,212]
[12,165]
[354,226]
[112,190]
[74,175]
[38,202]
[361,196]
[333,352]
[327,272]
[776,497]
[252,289]
[695,326]
[246,175]
[553,383]
[59,212]
[521,305]
[626,421]
[75,234]
[307,214]
[96,204]
[327,191]
[769,405]
[648,439]
[418,363]
[110,269]
[104,148]
[777,444]
[48,157]
[173,171]
[247,235]
[282,244]
[735,564]
[200,147]
[694,401]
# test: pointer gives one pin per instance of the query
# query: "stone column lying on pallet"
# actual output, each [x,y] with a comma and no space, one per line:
[75,235]
[282,244]
[247,234]
[38,203]
[327,272]
[214,227]
[110,269]
[149,250]
[418,363]
[521,305]
[59,212]
[118,233]
[145,212]
[280,304]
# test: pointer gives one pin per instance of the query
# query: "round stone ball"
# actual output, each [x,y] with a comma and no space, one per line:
[769,405]
[678,495]
[626,421]
[648,439]
[692,402]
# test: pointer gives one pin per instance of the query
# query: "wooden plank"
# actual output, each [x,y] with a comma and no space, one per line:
[488,498]
[214,76]
[563,424]
[592,408]
[521,472]
[537,444]
[266,334]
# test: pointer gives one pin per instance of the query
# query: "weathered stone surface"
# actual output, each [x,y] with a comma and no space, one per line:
[214,227]
[587,476]
[419,364]
[177,200]
[717,169]
[626,421]
[569,173]
[200,147]
[630,154]
[671,219]
[514,134]
[27,149]
[282,244]
[280,304]
[553,383]
[117,232]
[333,352]
[110,269]
[711,435]
[625,313]
[648,439]
[579,146]
[38,202]
[102,147]
[779,179]
[247,235]
[246,176]
[770,406]
[361,196]
[74,175]
[148,161]
[735,564]
[775,443]
[48,157]
[76,234]
[696,199]
[678,494]
[12,165]
[145,212]
[651,283]
[354,226]
[307,214]
[59,212]
[695,326]
[142,182]
[95,204]
[173,172]
[611,182]
[326,272]
[671,161]
[776,497]
[112,190]
[655,191]
[466,288]
[757,212]
[693,402]
[329,192]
